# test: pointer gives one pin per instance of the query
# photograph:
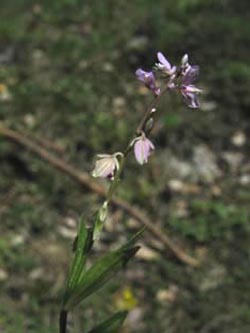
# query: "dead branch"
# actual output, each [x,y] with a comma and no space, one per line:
[85,180]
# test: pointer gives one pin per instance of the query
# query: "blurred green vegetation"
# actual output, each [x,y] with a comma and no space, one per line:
[67,75]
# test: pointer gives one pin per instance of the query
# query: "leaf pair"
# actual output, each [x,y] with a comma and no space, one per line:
[81,282]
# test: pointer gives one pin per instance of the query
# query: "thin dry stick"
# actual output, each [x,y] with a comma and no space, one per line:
[84,179]
[48,144]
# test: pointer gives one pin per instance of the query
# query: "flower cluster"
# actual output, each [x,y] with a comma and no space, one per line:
[106,165]
[180,78]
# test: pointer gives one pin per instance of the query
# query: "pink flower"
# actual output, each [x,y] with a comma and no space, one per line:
[143,148]
[106,165]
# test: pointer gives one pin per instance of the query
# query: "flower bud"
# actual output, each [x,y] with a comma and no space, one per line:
[149,125]
[143,148]
[100,219]
[184,60]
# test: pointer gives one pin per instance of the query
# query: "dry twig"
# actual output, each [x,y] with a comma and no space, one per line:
[85,180]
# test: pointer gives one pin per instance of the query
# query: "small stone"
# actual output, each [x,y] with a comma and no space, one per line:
[175,185]
[205,165]
[147,254]
[238,139]
[167,295]
[137,43]
[17,240]
[213,278]
[234,159]
[135,321]
[178,186]
[83,64]
[36,274]
[157,244]
[201,253]
[3,275]
[29,120]
[70,222]
[118,102]
[4,93]
[66,232]
[177,167]
[208,106]
[37,9]
[245,180]
[216,190]
[133,223]
[180,209]
[86,29]
[108,67]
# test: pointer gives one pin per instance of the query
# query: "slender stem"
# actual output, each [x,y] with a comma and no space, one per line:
[139,129]
[63,321]
[148,112]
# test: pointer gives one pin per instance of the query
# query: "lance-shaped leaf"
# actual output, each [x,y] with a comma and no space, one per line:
[112,324]
[101,271]
[82,245]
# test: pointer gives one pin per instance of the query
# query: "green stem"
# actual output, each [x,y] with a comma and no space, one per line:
[63,321]
[138,131]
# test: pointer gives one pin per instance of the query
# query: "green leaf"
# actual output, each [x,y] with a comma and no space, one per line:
[83,244]
[101,271]
[134,238]
[112,324]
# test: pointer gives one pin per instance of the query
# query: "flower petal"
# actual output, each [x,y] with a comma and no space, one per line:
[191,99]
[164,61]
[148,79]
[105,166]
[190,75]
[140,73]
[142,149]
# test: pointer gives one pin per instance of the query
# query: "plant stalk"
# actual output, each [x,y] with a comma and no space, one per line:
[154,103]
[63,321]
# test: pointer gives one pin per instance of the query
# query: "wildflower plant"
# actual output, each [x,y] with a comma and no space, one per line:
[82,282]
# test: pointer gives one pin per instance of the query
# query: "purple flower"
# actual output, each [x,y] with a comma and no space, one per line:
[188,90]
[164,65]
[148,79]
[142,149]
[190,74]
[106,165]
[190,94]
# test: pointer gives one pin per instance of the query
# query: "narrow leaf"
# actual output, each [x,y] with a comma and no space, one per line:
[103,269]
[82,244]
[134,238]
[112,324]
